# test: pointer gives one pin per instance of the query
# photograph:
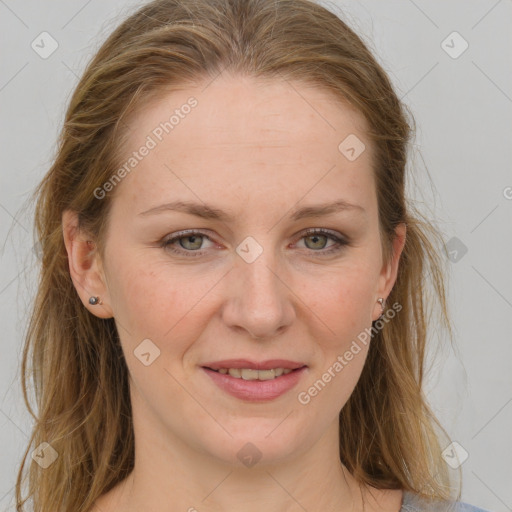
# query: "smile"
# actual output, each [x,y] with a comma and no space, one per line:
[251,374]
[255,385]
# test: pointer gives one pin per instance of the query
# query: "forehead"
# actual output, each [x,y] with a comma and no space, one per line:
[239,134]
[248,110]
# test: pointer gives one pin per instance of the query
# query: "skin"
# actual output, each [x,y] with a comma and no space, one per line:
[258,150]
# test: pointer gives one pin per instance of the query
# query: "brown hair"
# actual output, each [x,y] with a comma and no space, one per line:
[388,434]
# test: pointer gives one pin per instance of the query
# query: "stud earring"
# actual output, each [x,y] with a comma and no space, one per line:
[381,301]
[95,300]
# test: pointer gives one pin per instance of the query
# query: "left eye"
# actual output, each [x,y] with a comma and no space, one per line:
[190,242]
[323,236]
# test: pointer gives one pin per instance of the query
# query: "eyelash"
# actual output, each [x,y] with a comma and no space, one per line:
[167,243]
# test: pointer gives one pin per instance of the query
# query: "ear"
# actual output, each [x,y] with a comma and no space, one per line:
[85,266]
[389,271]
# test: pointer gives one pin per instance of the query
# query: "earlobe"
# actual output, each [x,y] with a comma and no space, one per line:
[85,266]
[390,270]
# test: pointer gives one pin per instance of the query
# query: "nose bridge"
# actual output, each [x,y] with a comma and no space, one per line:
[260,277]
[259,302]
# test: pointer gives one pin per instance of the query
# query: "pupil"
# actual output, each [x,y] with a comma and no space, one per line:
[192,238]
[315,238]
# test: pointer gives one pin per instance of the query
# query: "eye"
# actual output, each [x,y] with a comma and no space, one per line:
[189,243]
[316,238]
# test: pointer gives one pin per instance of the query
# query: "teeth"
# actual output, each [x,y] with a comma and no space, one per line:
[250,374]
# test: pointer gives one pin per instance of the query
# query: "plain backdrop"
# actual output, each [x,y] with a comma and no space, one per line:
[451,64]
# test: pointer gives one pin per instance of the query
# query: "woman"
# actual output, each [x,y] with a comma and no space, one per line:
[232,313]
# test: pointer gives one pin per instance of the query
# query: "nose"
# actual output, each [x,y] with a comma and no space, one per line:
[259,300]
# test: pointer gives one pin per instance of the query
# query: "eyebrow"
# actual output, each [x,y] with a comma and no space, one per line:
[209,212]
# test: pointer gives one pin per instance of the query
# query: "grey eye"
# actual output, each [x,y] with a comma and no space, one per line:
[195,242]
[318,241]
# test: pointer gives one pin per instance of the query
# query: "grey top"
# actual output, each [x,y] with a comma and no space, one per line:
[413,503]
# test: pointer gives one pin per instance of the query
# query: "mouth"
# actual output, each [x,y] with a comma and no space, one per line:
[253,374]
[254,385]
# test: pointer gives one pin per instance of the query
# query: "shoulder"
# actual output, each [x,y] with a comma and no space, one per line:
[414,503]
[466,507]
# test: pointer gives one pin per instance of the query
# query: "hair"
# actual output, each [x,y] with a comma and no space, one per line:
[389,436]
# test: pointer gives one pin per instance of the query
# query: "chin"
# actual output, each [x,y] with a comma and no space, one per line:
[252,444]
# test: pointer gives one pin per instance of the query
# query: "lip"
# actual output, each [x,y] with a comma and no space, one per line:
[254,365]
[256,390]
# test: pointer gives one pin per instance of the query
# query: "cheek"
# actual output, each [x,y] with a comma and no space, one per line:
[332,382]
[161,303]
[143,302]
[343,300]
[344,304]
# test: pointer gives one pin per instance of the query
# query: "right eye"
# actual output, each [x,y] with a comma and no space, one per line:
[189,240]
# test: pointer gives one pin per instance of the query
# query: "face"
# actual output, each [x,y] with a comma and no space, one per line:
[243,277]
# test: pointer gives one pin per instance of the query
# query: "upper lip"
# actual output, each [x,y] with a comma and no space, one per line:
[254,365]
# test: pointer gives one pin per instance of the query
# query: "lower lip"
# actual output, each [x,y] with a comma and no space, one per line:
[256,390]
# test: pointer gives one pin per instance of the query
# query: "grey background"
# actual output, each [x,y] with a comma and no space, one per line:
[463,109]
